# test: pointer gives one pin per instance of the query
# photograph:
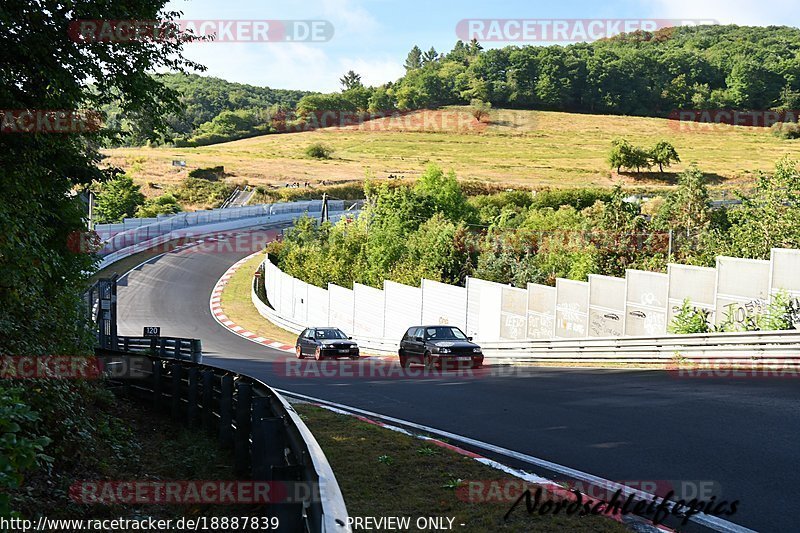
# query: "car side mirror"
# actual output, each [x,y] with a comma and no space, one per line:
[351,338]
[419,339]
[469,338]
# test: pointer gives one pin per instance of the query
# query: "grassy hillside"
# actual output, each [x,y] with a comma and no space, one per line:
[532,148]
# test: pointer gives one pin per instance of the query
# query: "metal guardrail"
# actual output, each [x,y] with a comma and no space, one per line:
[270,441]
[172,347]
[746,345]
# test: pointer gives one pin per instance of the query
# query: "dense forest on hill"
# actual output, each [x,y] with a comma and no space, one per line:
[645,74]
[649,74]
[212,110]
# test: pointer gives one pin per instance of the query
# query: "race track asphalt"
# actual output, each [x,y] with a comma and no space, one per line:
[739,434]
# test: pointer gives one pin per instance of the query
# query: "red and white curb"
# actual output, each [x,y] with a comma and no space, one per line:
[219,314]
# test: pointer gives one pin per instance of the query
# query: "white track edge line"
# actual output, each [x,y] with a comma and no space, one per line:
[709,521]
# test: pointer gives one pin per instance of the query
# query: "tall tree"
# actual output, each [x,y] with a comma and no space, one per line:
[117,199]
[769,217]
[43,67]
[430,56]
[664,154]
[350,80]
[414,59]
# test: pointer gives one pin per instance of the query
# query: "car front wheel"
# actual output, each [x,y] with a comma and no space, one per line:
[318,354]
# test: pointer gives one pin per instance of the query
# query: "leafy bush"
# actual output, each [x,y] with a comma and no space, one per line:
[786,130]
[480,109]
[166,204]
[18,451]
[117,199]
[344,191]
[319,151]
[577,198]
[202,192]
[689,319]
[210,173]
[780,313]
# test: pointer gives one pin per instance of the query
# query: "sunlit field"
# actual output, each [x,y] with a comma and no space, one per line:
[531,148]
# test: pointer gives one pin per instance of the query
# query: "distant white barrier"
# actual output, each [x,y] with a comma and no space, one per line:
[574,316]
[147,237]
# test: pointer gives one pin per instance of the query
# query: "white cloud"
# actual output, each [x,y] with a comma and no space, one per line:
[375,71]
[277,65]
[289,65]
[348,18]
[742,12]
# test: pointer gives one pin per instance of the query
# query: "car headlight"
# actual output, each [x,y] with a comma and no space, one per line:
[476,350]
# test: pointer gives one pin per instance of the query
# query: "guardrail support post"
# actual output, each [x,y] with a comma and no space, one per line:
[191,411]
[197,351]
[162,348]
[290,515]
[244,400]
[226,412]
[263,454]
[157,383]
[207,377]
[175,369]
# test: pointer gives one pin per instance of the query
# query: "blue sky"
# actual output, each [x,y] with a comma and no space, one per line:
[373,37]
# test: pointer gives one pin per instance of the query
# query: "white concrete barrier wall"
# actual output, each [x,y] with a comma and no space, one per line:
[742,290]
[444,304]
[606,306]
[785,271]
[541,311]
[402,308]
[484,306]
[646,296]
[572,309]
[300,294]
[318,299]
[514,314]
[695,283]
[368,311]
[340,308]
[639,305]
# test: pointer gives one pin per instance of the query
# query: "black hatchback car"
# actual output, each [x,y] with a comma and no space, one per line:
[447,345]
[325,342]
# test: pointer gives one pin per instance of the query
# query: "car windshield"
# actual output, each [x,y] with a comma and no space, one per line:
[330,333]
[441,333]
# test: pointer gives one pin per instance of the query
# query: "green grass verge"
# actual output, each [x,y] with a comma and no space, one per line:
[385,473]
[239,307]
